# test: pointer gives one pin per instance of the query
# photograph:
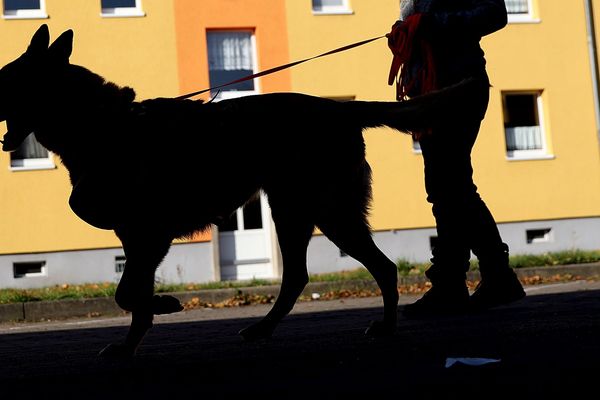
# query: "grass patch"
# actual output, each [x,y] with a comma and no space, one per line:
[518,261]
[58,292]
[557,258]
[356,274]
[189,287]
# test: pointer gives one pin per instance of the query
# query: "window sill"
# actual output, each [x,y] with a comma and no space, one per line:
[123,14]
[532,157]
[333,12]
[40,15]
[39,167]
[523,20]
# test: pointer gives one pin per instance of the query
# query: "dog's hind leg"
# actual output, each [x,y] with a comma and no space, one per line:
[350,232]
[294,232]
[135,291]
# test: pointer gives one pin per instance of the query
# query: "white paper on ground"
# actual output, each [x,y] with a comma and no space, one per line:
[472,361]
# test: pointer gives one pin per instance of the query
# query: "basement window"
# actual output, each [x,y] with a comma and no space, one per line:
[539,235]
[29,269]
[120,264]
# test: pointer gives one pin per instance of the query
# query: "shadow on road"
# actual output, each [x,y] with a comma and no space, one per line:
[546,343]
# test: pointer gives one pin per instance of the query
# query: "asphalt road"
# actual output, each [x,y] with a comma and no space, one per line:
[546,344]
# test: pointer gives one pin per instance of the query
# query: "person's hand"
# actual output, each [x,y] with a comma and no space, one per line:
[395,32]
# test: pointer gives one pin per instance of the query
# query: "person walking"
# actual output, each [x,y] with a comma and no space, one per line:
[436,43]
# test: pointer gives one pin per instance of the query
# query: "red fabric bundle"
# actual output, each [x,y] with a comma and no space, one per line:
[411,50]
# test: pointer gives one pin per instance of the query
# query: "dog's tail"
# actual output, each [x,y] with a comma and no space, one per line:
[421,112]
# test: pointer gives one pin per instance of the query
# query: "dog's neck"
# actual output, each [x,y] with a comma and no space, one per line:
[82,120]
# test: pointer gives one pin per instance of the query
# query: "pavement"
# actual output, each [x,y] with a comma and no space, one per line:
[546,344]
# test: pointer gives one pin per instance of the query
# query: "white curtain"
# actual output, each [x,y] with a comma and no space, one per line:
[229,51]
[517,6]
[523,138]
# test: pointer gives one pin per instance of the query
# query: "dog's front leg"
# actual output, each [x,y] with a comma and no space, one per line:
[135,292]
[141,322]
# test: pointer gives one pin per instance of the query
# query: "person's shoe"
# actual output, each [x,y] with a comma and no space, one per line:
[439,301]
[496,291]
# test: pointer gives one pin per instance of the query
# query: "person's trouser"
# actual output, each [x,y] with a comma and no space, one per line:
[463,221]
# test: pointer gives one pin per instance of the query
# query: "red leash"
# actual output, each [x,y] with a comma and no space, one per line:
[281,67]
[410,48]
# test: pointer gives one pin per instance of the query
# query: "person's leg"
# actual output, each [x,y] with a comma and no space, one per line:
[450,190]
[463,223]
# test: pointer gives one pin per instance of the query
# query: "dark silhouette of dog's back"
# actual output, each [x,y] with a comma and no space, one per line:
[181,165]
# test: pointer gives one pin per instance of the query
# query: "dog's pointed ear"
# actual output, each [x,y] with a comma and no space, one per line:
[39,41]
[62,47]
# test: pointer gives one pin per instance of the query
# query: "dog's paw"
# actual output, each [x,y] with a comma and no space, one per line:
[165,304]
[380,329]
[117,351]
[258,331]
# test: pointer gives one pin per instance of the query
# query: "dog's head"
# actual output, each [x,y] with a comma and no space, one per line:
[24,81]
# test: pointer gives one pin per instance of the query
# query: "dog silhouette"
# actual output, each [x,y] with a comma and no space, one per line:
[179,166]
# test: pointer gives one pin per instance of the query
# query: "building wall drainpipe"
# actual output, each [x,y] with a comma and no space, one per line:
[591,31]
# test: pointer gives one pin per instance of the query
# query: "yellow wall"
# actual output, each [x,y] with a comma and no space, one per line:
[550,55]
[362,73]
[161,55]
[137,52]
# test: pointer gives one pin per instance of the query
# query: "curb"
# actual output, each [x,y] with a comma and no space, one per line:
[106,306]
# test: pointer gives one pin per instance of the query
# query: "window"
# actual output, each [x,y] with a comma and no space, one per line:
[522,125]
[120,264]
[17,9]
[122,8]
[31,155]
[231,56]
[519,10]
[29,269]
[539,235]
[331,7]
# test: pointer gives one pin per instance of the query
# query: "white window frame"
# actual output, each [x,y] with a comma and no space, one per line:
[534,154]
[341,9]
[523,17]
[121,12]
[223,93]
[26,14]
